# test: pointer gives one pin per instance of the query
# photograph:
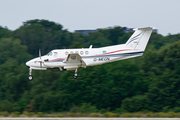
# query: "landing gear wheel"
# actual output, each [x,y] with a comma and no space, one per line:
[75,75]
[30,77]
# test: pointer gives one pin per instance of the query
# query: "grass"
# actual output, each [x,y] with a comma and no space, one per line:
[101,115]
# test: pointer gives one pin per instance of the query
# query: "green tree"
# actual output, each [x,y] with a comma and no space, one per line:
[5,33]
[135,104]
[42,34]
[150,82]
[13,71]
[162,68]
[113,34]
[97,39]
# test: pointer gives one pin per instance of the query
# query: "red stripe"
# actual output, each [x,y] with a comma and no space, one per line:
[57,59]
[98,54]
[115,52]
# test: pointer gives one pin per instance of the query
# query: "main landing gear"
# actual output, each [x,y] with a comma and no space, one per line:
[30,76]
[75,74]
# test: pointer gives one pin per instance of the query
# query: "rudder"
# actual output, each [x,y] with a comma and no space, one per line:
[140,38]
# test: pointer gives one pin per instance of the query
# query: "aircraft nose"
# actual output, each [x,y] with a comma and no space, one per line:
[28,63]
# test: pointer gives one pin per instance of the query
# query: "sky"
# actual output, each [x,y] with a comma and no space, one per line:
[93,14]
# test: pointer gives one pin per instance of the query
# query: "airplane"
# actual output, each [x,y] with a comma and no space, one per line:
[72,59]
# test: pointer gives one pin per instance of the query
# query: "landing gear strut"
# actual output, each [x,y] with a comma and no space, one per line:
[75,74]
[30,76]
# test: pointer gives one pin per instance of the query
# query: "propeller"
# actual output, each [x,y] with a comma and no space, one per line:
[40,53]
[40,58]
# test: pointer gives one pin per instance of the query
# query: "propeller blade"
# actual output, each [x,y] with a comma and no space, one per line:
[40,53]
[40,58]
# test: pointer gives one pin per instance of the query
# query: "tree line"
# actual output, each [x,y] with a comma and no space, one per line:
[147,83]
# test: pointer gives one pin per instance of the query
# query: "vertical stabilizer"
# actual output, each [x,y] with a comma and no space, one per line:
[139,39]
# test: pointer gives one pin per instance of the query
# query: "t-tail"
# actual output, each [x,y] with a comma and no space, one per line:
[139,39]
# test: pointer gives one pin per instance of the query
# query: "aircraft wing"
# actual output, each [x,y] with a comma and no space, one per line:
[76,59]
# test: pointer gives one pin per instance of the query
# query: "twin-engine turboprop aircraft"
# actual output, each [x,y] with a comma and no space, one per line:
[71,59]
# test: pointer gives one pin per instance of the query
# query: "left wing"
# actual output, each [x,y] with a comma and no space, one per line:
[76,59]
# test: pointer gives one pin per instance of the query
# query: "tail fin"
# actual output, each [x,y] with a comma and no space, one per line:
[140,38]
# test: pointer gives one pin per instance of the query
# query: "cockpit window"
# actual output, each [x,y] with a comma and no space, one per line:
[49,54]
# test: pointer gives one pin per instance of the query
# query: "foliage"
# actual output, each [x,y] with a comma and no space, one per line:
[5,113]
[110,114]
[84,108]
[5,33]
[40,114]
[150,83]
[96,115]
[135,104]
[16,114]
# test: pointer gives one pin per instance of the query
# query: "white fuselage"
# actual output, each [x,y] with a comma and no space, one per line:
[91,56]
[71,59]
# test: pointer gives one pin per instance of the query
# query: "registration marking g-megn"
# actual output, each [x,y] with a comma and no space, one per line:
[101,59]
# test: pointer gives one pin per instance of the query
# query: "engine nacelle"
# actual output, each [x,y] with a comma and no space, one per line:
[70,67]
[36,68]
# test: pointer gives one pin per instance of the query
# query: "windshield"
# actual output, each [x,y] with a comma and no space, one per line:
[49,54]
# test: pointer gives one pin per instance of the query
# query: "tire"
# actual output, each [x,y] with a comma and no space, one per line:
[30,77]
[74,77]
[76,74]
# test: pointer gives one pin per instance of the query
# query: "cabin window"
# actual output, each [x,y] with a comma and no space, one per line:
[76,52]
[55,54]
[66,53]
[71,52]
[87,52]
[81,52]
[104,51]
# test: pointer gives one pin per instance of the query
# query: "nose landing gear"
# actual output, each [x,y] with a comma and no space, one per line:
[75,74]
[30,76]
